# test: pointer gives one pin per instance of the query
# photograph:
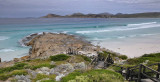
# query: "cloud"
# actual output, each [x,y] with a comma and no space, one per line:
[135,1]
[12,8]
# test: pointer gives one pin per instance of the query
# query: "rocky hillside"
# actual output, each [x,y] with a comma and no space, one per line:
[108,15]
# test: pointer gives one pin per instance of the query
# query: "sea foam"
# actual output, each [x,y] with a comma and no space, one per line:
[7,50]
[3,38]
[148,23]
[124,28]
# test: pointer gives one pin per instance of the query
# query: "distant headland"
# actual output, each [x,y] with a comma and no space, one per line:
[107,15]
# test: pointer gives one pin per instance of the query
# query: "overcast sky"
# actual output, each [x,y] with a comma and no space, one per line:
[37,8]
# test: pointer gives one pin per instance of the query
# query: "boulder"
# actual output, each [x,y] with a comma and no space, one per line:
[43,70]
[32,73]
[22,78]
[63,69]
[80,66]
[52,63]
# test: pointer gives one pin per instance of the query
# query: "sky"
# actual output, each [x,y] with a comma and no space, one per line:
[38,8]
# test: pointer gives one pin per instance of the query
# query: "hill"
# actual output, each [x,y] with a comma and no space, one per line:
[107,15]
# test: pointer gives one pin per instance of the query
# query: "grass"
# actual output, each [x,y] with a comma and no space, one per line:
[99,75]
[38,63]
[153,58]
[42,76]
[59,57]
[17,66]
[86,58]
[42,65]
[105,54]
[48,81]
[124,57]
[5,76]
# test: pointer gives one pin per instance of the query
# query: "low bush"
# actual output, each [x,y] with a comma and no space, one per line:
[18,72]
[5,76]
[48,81]
[153,58]
[152,55]
[39,77]
[59,57]
[17,66]
[86,58]
[42,65]
[100,75]
[123,57]
[42,76]
[103,54]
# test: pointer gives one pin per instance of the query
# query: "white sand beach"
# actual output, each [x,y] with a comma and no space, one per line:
[134,47]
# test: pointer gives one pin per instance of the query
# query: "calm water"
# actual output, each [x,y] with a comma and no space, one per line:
[93,29]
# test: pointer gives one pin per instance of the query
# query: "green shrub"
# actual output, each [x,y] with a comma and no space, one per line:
[104,54]
[86,58]
[42,65]
[19,72]
[71,76]
[152,55]
[42,76]
[59,57]
[5,76]
[123,57]
[153,58]
[112,54]
[39,77]
[100,75]
[17,66]
[48,81]
[81,79]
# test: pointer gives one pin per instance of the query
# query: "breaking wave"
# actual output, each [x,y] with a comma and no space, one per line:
[6,50]
[124,28]
[3,38]
[148,23]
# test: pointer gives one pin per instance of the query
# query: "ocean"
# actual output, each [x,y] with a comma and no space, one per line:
[96,30]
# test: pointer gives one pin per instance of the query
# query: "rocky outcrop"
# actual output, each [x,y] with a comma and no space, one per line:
[48,44]
[22,78]
[60,71]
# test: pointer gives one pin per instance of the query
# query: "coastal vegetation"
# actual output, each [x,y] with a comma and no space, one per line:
[5,76]
[20,68]
[59,57]
[17,66]
[152,58]
[99,75]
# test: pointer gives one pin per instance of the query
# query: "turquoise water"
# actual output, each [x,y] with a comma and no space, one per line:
[93,29]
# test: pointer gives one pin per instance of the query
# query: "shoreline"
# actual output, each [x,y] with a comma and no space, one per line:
[134,47]
[131,47]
